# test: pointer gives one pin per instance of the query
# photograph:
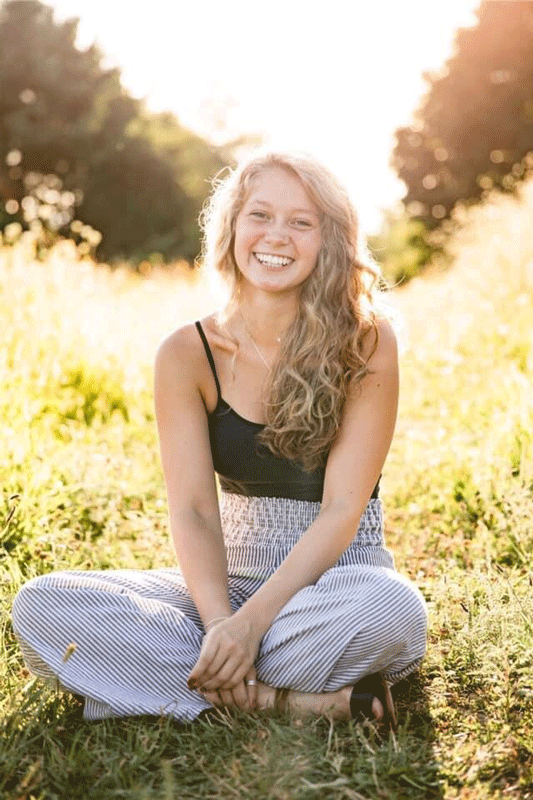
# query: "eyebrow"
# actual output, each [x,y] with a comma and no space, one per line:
[295,210]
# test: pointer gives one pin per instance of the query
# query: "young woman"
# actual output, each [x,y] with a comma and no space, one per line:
[286,595]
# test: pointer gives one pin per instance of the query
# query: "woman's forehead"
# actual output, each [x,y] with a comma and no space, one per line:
[281,186]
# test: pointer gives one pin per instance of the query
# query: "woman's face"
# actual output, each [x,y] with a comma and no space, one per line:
[277,232]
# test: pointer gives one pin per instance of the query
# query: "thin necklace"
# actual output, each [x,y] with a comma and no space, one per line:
[261,355]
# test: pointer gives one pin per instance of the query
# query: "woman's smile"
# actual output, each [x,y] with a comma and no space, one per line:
[269,260]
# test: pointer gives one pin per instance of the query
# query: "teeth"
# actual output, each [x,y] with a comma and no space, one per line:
[274,261]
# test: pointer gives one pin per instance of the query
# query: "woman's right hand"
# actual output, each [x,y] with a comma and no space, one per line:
[226,662]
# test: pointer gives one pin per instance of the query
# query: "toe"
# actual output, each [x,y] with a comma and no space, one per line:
[377,708]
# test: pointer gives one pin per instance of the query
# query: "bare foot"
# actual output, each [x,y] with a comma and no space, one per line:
[335,705]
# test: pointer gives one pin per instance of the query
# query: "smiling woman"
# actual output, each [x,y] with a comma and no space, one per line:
[317,319]
[286,595]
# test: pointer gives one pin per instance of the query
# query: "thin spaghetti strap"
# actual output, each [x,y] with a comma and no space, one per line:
[209,358]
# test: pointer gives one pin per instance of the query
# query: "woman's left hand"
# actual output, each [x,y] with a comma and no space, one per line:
[228,652]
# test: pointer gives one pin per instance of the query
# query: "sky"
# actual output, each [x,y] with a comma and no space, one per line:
[333,79]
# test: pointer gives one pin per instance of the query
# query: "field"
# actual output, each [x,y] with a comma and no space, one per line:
[82,487]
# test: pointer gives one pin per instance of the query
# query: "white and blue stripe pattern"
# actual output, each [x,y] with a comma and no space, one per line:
[137,633]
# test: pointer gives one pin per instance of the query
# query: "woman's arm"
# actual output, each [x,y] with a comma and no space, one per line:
[189,474]
[353,468]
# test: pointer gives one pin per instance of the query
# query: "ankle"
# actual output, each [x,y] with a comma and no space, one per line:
[335,705]
[346,695]
[266,697]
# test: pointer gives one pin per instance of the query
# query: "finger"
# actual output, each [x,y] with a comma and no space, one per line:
[240,696]
[208,654]
[226,678]
[209,679]
[251,689]
[226,697]
[212,697]
[237,677]
[231,674]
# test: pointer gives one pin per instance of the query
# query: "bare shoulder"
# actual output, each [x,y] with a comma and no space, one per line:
[181,361]
[181,357]
[380,345]
[179,350]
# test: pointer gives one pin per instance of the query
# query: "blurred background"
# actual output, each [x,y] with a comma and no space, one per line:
[113,119]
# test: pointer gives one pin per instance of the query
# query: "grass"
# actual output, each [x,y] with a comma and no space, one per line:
[82,487]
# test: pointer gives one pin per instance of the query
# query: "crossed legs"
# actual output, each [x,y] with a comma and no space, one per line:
[126,640]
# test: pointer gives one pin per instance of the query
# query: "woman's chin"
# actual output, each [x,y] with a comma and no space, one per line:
[275,282]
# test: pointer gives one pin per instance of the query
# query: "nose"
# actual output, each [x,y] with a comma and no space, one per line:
[277,231]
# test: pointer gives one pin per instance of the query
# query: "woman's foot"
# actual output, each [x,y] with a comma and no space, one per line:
[335,705]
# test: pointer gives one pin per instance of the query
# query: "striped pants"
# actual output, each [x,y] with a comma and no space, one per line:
[127,639]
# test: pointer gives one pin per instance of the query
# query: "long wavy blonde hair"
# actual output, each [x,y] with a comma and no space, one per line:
[321,355]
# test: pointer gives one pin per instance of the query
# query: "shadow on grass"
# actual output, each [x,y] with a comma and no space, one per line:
[51,752]
[416,725]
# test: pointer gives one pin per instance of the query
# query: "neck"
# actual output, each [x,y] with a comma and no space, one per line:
[267,317]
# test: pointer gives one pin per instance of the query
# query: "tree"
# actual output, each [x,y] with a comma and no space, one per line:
[138,179]
[474,128]
[53,97]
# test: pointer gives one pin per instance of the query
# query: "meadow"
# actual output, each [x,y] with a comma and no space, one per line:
[82,488]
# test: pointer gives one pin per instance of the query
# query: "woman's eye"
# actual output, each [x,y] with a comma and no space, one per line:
[303,223]
[258,214]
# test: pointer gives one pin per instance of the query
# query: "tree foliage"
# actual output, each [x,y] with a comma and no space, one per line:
[473,129]
[139,179]
[402,247]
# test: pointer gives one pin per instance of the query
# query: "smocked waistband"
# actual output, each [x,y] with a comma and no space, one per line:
[280,521]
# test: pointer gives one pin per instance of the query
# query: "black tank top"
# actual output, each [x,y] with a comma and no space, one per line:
[246,466]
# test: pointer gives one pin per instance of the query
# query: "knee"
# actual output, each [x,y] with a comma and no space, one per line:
[407,623]
[416,606]
[405,601]
[28,605]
